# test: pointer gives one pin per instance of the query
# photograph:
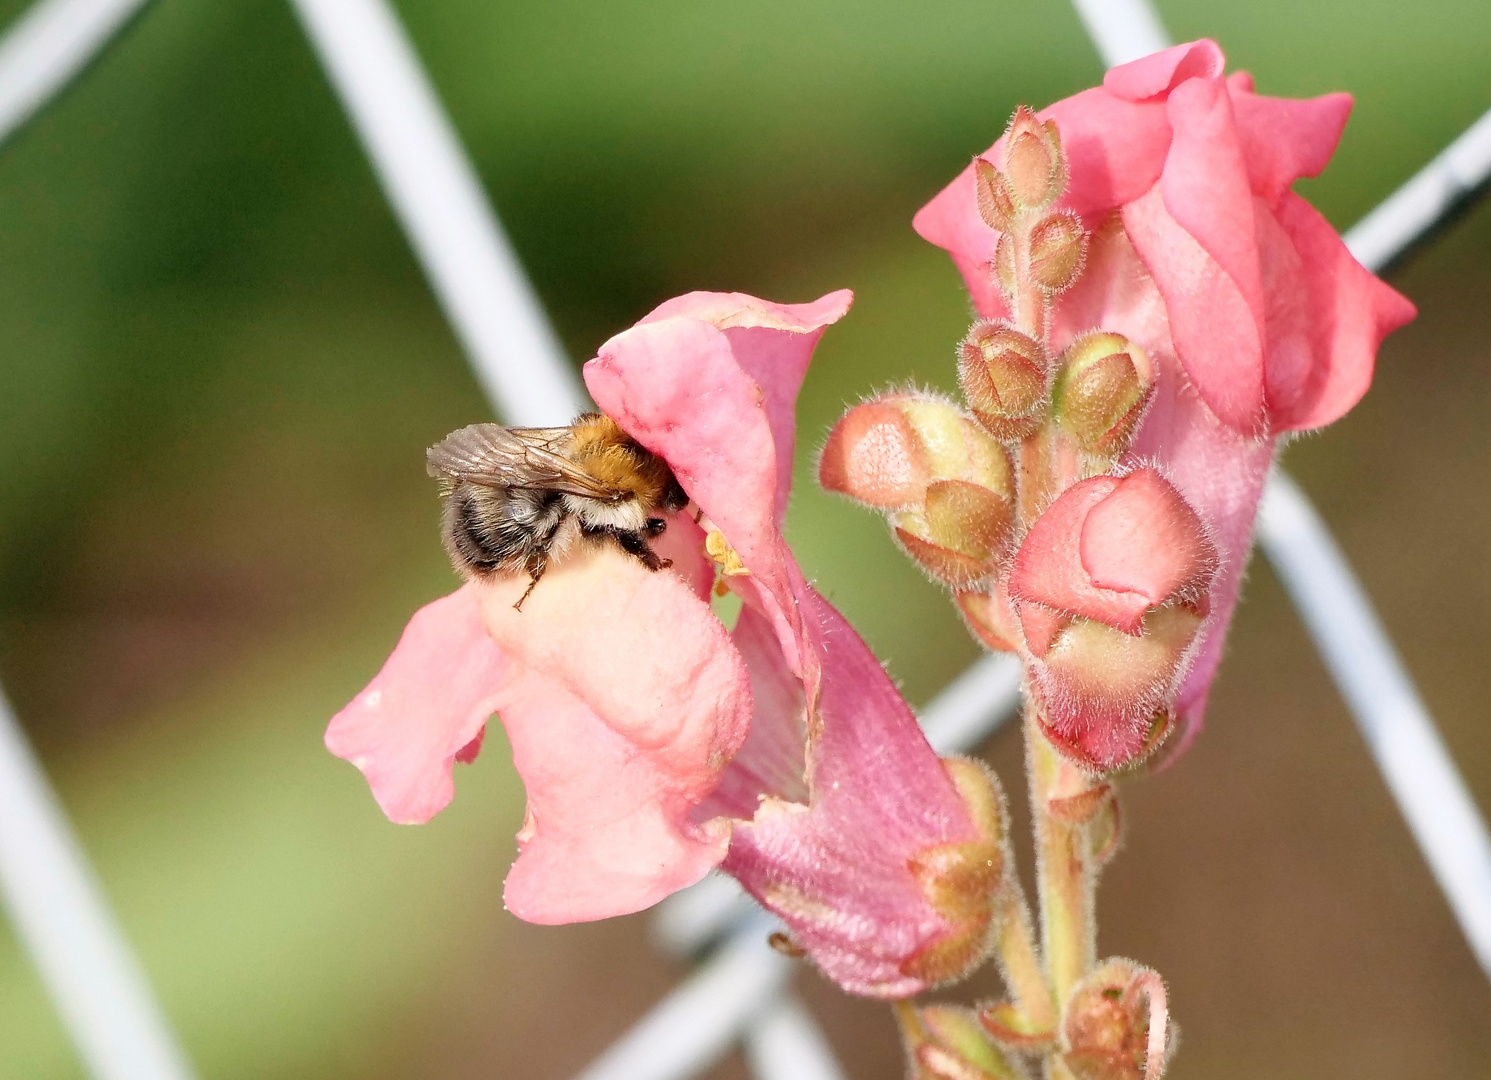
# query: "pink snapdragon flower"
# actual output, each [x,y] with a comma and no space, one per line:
[1110,587]
[653,743]
[1260,321]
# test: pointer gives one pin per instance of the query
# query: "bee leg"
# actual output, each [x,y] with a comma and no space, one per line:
[536,568]
[655,527]
[635,543]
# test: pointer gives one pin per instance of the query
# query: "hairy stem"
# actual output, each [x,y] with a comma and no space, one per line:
[1065,872]
[1020,963]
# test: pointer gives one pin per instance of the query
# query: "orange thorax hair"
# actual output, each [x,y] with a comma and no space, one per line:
[610,455]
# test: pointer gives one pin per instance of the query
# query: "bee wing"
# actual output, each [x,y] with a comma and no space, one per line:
[513,457]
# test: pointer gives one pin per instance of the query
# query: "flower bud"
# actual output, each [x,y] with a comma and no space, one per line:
[1103,384]
[946,1042]
[1110,587]
[1013,1028]
[1058,247]
[1006,273]
[1116,1024]
[1033,161]
[962,882]
[1003,375]
[875,455]
[950,483]
[988,616]
[996,202]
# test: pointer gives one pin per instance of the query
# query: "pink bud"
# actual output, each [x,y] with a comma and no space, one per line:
[1110,587]
[873,454]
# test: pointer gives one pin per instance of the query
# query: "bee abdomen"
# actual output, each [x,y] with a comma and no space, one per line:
[488,530]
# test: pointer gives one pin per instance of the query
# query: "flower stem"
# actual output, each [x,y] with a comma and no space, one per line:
[1020,963]
[1064,871]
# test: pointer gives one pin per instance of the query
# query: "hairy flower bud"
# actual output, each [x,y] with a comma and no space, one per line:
[1058,247]
[958,532]
[1111,588]
[1103,384]
[1003,375]
[950,484]
[988,616]
[946,1042]
[962,882]
[996,202]
[875,455]
[1116,1024]
[1033,161]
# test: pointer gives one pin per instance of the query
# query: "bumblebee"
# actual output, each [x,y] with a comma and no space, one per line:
[515,499]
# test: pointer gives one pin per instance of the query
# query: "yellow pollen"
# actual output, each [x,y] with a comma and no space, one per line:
[720,551]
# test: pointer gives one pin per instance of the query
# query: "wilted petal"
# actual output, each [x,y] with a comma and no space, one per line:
[431,701]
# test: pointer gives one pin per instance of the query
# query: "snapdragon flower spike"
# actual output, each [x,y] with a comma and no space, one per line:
[1111,587]
[1257,318]
[654,744]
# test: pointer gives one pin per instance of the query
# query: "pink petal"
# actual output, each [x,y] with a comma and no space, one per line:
[836,870]
[1349,311]
[628,702]
[1214,332]
[1218,469]
[1144,538]
[1284,139]
[1165,70]
[1221,473]
[687,390]
[772,343]
[772,761]
[1205,183]
[430,702]
[1048,567]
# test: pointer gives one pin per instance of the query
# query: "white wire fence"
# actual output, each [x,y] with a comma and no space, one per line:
[739,995]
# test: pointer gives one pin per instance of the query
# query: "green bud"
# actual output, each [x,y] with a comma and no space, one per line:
[1103,384]
[1003,375]
[1058,247]
[996,203]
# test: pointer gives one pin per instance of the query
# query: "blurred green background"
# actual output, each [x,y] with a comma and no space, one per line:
[219,367]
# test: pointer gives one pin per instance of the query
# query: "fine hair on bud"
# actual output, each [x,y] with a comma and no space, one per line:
[1033,161]
[1003,373]
[1103,384]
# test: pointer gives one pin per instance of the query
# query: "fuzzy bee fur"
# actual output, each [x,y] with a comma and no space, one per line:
[515,499]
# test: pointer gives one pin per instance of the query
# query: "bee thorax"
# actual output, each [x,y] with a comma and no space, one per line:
[622,514]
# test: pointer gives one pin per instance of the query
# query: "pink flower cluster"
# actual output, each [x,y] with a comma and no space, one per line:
[1258,319]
